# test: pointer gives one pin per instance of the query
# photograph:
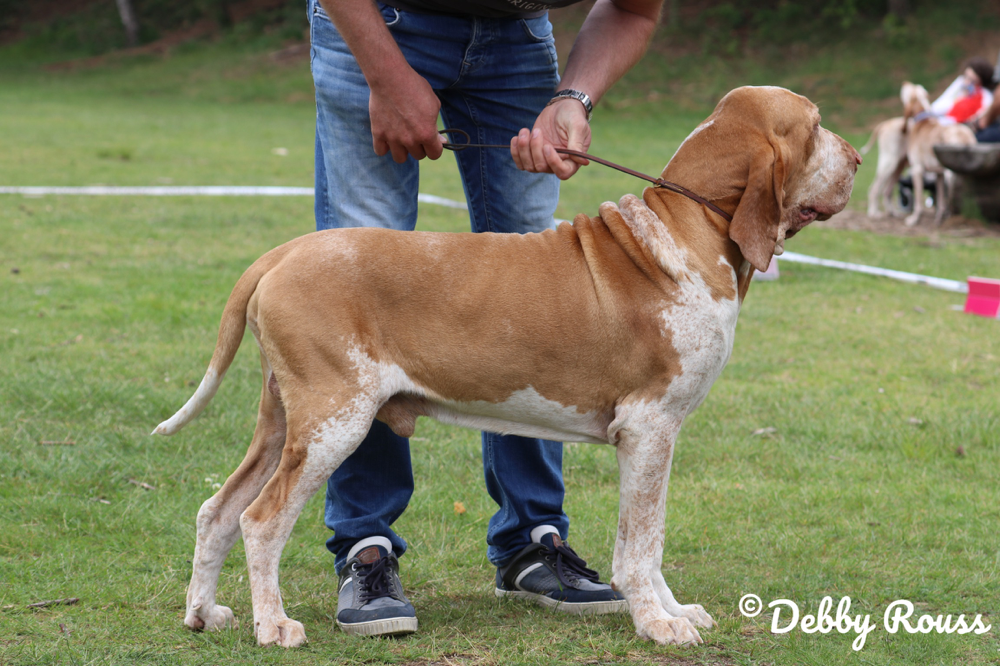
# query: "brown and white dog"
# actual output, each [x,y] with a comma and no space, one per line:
[609,330]
[910,141]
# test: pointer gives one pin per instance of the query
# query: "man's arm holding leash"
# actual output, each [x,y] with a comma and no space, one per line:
[613,38]
[403,106]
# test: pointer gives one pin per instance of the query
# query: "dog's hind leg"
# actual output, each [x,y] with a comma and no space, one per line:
[644,466]
[320,438]
[881,184]
[219,517]
[874,195]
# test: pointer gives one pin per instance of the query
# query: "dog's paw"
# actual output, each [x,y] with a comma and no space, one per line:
[697,615]
[213,618]
[911,220]
[670,631]
[285,632]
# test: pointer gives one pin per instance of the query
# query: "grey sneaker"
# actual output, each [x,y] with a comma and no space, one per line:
[371,600]
[550,573]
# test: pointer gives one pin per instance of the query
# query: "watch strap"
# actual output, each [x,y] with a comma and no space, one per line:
[581,97]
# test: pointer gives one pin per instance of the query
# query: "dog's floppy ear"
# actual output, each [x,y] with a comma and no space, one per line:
[755,224]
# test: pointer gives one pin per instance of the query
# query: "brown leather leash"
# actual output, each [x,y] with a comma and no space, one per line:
[657,182]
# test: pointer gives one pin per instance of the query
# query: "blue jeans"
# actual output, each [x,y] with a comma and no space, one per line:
[493,77]
[989,134]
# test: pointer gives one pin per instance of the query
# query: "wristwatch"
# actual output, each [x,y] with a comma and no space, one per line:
[582,97]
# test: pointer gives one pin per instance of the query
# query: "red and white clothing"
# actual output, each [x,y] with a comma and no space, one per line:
[958,104]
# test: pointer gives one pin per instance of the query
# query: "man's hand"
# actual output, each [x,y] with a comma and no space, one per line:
[560,125]
[612,39]
[404,118]
[402,106]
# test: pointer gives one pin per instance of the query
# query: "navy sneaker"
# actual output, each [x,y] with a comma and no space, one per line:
[550,573]
[371,600]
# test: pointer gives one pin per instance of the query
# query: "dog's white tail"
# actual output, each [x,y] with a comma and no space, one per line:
[193,407]
[234,321]
[871,140]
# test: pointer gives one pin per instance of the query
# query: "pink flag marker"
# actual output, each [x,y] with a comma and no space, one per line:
[984,297]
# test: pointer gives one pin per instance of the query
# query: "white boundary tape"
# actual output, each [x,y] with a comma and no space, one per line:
[441,201]
[164,191]
[196,190]
[912,278]
[244,191]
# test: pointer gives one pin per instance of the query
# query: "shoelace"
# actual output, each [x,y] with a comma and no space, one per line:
[570,567]
[375,581]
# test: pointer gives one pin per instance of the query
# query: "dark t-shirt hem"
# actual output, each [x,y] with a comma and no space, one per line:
[443,8]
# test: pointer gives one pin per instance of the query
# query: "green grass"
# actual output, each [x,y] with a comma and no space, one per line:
[110,318]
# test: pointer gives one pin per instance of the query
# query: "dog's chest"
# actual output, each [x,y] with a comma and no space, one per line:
[702,330]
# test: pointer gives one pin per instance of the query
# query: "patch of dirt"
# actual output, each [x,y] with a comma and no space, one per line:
[954,227]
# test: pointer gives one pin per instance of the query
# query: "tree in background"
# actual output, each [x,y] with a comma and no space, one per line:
[128,20]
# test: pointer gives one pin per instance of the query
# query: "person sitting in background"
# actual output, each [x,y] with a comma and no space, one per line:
[988,125]
[969,96]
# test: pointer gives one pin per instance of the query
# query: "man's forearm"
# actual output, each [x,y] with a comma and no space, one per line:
[363,29]
[402,106]
[613,38]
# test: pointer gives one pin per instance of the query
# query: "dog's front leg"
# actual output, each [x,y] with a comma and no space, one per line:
[917,174]
[695,612]
[644,469]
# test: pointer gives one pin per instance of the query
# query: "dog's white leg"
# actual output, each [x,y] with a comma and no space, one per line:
[644,467]
[695,612]
[313,450]
[917,173]
[875,193]
[219,517]
[880,189]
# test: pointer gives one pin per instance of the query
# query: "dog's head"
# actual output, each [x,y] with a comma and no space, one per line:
[915,99]
[763,155]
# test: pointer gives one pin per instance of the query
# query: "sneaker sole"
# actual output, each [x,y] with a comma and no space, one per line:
[588,608]
[389,627]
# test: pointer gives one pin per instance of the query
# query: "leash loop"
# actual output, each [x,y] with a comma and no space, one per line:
[657,182]
[456,147]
